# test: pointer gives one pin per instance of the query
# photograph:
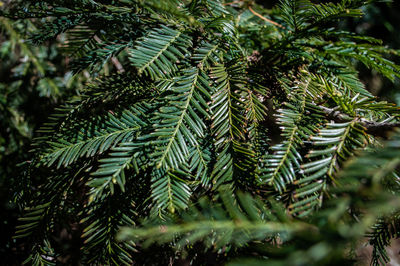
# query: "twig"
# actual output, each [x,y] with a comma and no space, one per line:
[266,19]
[372,127]
[232,3]
[117,64]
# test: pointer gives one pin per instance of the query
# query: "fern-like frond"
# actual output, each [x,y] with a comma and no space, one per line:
[292,12]
[159,51]
[95,59]
[42,215]
[303,15]
[281,167]
[235,156]
[170,190]
[179,124]
[206,55]
[31,220]
[337,143]
[380,237]
[217,225]
[350,82]
[326,12]
[118,87]
[166,11]
[113,167]
[54,27]
[81,39]
[370,55]
[100,230]
[94,139]
[200,161]
[216,7]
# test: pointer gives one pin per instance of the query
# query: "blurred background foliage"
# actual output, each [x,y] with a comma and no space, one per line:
[380,20]
[36,79]
[33,81]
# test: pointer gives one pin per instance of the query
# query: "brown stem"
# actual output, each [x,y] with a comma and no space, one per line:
[372,127]
[117,64]
[232,3]
[266,19]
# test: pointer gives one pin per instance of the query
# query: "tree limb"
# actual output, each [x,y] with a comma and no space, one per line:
[372,127]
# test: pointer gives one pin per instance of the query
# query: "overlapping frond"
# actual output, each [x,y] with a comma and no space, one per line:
[170,190]
[200,162]
[31,220]
[42,215]
[96,59]
[216,7]
[281,164]
[281,167]
[303,15]
[206,55]
[179,123]
[54,27]
[100,230]
[325,12]
[159,51]
[380,237]
[112,169]
[350,82]
[94,139]
[115,88]
[368,54]
[168,10]
[292,12]
[217,225]
[234,156]
[256,111]
[189,116]
[82,39]
[336,142]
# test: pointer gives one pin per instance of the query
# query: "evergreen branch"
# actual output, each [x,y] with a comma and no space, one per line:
[200,159]
[228,125]
[189,116]
[100,230]
[336,142]
[382,233]
[182,120]
[204,56]
[281,167]
[219,225]
[177,126]
[372,127]
[87,144]
[170,190]
[112,169]
[159,51]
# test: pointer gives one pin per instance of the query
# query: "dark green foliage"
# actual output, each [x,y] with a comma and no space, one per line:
[180,120]
[33,80]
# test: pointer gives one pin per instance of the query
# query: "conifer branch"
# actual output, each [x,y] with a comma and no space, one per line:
[372,127]
[266,19]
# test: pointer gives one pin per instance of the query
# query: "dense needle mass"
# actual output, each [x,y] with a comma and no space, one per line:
[170,147]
